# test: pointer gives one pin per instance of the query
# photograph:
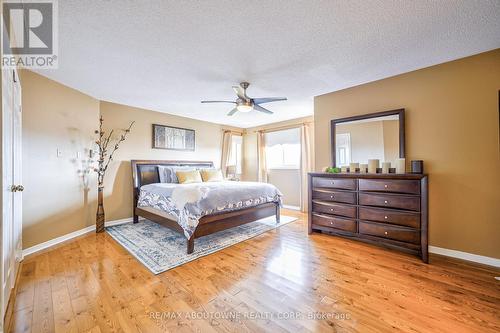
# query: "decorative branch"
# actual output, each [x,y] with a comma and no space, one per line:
[102,145]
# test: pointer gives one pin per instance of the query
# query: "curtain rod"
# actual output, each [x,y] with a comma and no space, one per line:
[281,128]
[231,131]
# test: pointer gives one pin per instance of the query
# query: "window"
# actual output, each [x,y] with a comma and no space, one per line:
[283,149]
[235,157]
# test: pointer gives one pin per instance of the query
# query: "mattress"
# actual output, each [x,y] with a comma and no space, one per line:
[187,203]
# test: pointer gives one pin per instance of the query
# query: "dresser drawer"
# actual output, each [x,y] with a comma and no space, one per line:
[390,185]
[334,222]
[390,200]
[336,196]
[408,219]
[334,208]
[346,184]
[391,232]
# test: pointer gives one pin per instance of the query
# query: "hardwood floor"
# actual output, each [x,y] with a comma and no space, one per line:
[92,284]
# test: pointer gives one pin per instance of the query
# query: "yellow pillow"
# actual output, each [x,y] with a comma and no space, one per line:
[212,175]
[187,177]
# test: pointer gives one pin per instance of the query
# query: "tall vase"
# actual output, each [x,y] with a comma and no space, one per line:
[99,218]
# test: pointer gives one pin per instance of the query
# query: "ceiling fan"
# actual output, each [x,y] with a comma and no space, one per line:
[247,104]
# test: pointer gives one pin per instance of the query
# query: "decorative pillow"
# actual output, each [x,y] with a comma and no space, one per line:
[167,173]
[211,175]
[187,177]
[164,174]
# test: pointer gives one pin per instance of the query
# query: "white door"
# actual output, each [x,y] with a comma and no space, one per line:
[11,173]
[17,179]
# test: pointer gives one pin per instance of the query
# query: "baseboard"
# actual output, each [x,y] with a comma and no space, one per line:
[465,256]
[432,249]
[71,235]
[291,207]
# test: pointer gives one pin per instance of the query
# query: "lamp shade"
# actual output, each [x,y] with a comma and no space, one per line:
[244,108]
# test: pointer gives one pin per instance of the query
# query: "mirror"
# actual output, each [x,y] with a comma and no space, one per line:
[372,136]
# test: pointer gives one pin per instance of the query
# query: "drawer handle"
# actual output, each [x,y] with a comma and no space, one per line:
[385,217]
[333,183]
[331,223]
[331,196]
[386,186]
[386,202]
[331,209]
[385,232]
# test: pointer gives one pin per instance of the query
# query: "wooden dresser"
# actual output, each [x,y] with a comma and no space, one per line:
[390,210]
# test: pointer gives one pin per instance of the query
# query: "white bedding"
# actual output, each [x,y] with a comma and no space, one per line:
[189,202]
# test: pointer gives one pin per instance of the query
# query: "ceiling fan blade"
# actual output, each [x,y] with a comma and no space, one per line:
[268,100]
[240,93]
[261,109]
[233,111]
[218,102]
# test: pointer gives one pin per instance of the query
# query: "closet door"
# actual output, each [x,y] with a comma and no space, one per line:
[7,194]
[11,182]
[17,168]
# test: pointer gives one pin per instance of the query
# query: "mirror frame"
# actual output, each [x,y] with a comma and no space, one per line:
[399,112]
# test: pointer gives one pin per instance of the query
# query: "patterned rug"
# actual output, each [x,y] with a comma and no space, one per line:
[161,249]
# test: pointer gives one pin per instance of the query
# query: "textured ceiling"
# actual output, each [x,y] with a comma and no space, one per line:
[169,55]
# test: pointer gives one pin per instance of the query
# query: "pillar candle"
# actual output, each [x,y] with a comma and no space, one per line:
[385,167]
[401,165]
[343,169]
[372,166]
[353,167]
[363,167]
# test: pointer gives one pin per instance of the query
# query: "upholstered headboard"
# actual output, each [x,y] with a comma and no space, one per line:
[146,171]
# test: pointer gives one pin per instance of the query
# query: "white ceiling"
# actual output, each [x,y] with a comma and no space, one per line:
[169,55]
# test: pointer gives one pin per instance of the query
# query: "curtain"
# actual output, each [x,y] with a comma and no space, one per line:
[306,163]
[261,155]
[226,151]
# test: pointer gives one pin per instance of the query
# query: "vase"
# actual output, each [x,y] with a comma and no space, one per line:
[99,217]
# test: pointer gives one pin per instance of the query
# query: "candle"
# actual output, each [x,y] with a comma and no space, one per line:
[353,167]
[363,167]
[343,169]
[417,166]
[385,167]
[401,165]
[372,166]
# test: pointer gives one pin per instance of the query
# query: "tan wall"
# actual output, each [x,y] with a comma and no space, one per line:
[118,182]
[391,141]
[367,140]
[452,123]
[250,157]
[288,182]
[56,199]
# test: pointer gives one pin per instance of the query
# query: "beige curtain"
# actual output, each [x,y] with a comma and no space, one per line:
[261,155]
[306,162]
[226,151]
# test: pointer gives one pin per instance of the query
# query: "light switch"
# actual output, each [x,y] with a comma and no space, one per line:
[78,154]
[59,152]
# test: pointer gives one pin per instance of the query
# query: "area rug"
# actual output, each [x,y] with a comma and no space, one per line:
[161,249]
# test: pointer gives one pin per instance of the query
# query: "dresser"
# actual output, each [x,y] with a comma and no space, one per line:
[389,210]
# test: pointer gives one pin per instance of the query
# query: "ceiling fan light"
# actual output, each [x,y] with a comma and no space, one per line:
[244,108]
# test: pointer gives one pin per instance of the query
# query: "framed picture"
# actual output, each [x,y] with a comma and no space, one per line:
[173,138]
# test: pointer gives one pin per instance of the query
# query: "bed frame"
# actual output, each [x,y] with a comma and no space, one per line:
[146,172]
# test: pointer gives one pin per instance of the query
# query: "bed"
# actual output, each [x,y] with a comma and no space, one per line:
[150,198]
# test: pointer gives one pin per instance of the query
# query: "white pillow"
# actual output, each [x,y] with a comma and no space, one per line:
[167,173]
